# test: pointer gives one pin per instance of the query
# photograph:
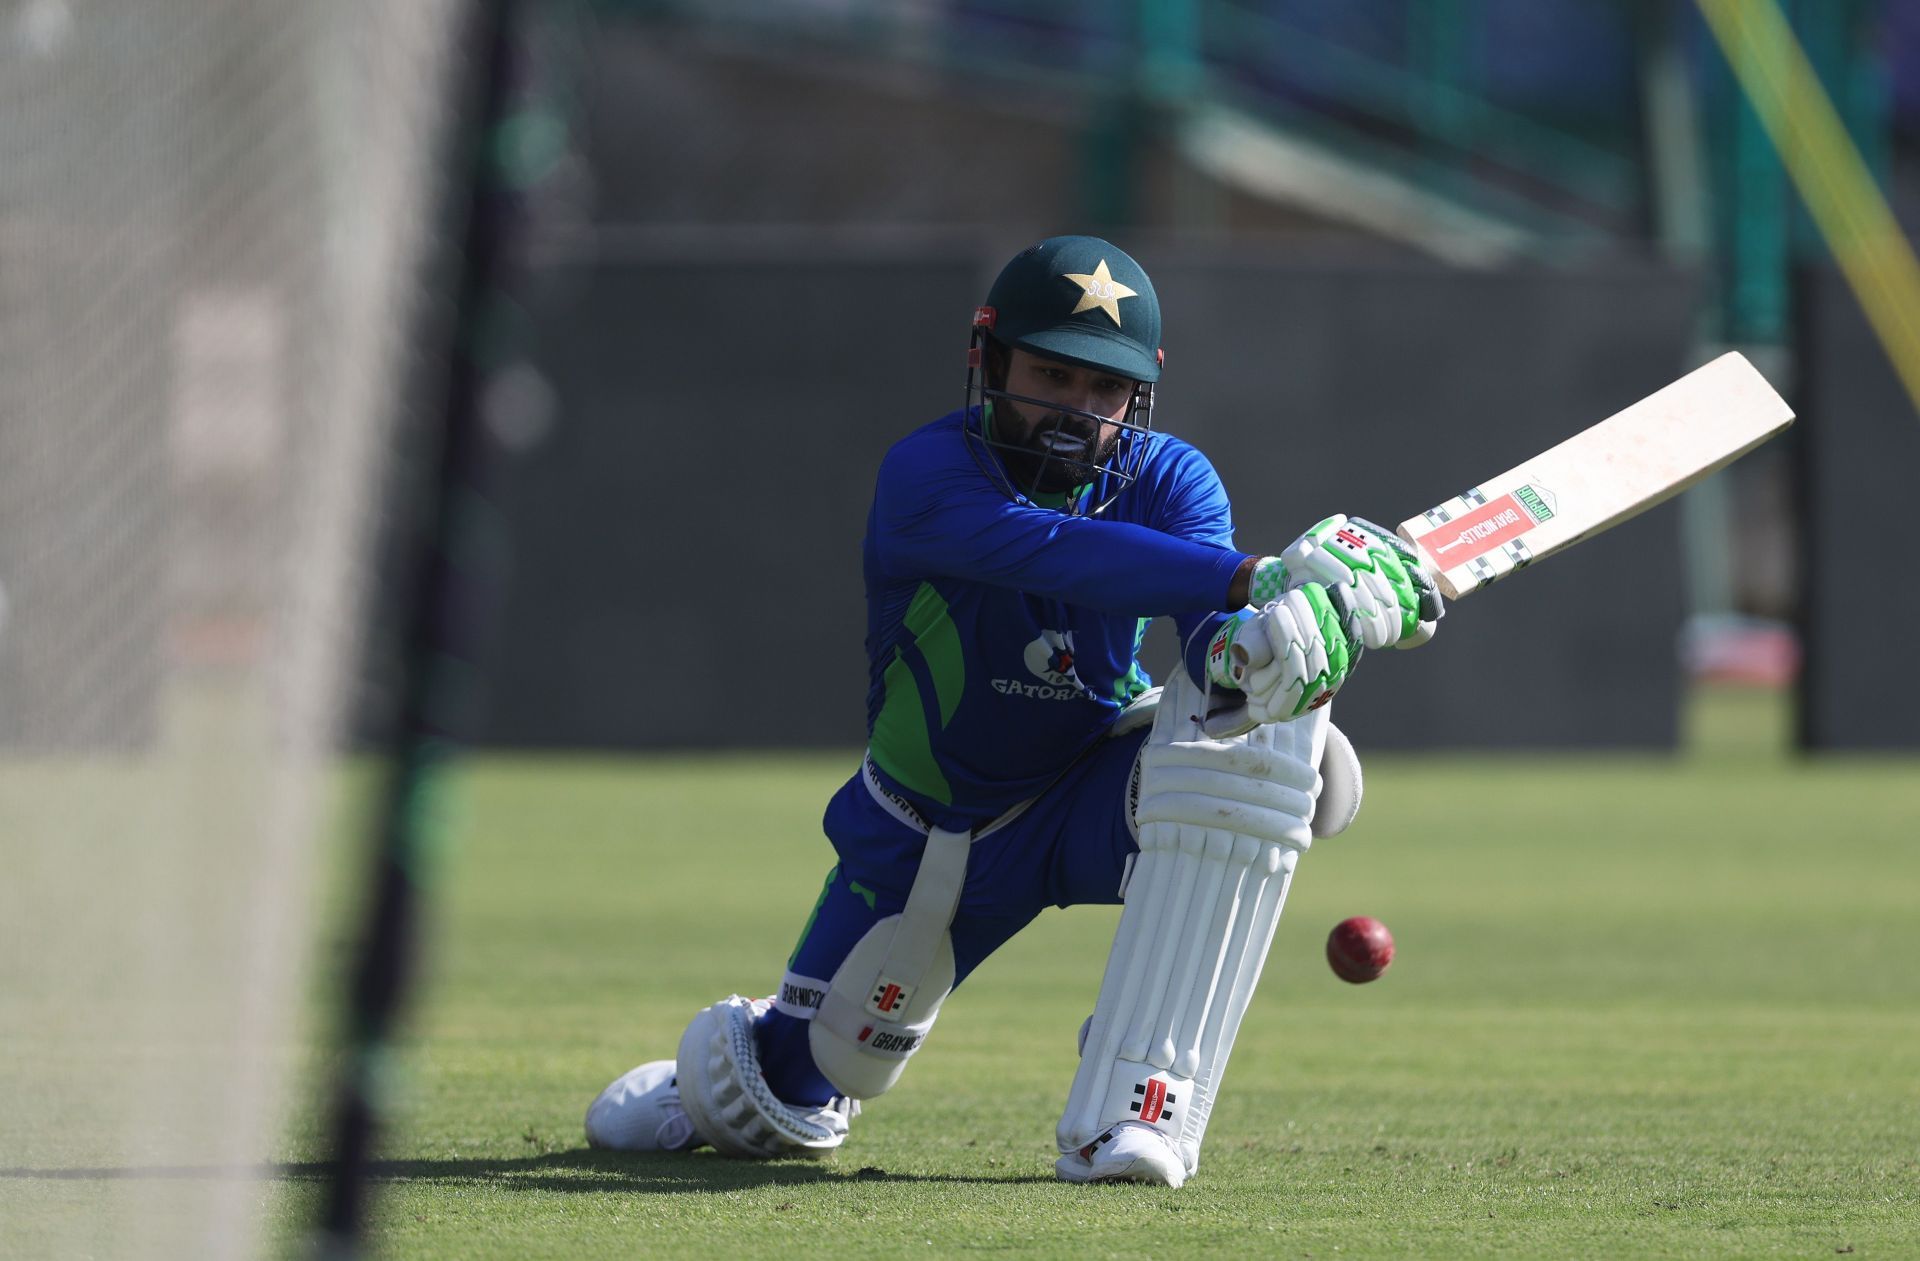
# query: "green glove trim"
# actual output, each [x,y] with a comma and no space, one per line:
[1411,582]
[1269,581]
[1340,653]
[1395,571]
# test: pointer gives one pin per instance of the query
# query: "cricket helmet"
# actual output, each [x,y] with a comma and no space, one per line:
[1083,301]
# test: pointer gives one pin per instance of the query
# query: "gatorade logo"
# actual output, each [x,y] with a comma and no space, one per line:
[1051,658]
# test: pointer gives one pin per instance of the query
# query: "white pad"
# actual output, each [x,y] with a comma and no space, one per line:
[1341,786]
[862,1036]
[885,995]
[1138,713]
[1221,824]
[728,1100]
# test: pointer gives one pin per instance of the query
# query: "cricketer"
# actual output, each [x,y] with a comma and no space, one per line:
[1018,756]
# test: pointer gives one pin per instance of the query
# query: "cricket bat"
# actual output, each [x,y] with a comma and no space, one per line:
[1593,481]
[1598,478]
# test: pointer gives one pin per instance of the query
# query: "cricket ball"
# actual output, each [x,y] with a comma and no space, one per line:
[1359,949]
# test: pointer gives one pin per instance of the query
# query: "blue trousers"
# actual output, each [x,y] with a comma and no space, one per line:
[1069,848]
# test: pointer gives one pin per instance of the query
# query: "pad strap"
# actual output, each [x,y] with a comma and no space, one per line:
[931,902]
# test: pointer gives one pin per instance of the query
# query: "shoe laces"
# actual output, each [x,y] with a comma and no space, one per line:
[676,1129]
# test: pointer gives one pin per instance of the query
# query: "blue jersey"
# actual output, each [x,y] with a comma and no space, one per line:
[1002,637]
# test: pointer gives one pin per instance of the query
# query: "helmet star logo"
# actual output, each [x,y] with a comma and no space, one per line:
[1100,290]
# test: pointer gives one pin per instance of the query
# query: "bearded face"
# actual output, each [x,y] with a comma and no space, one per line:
[1054,451]
[1059,422]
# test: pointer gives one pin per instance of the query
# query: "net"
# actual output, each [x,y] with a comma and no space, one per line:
[210,226]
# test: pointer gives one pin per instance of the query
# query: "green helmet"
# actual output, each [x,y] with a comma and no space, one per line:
[1084,301]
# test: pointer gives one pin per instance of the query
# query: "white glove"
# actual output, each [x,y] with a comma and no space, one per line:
[1390,596]
[1395,604]
[1289,656]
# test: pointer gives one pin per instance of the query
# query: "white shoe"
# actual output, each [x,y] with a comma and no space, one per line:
[1131,1151]
[641,1112]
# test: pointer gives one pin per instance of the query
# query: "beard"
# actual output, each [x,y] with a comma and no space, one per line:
[1057,452]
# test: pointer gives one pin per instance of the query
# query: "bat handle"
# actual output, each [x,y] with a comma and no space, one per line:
[1433,605]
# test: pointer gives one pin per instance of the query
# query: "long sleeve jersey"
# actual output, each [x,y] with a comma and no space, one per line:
[1003,638]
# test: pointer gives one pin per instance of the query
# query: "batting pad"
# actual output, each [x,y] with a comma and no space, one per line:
[1221,824]
[727,1097]
[886,994]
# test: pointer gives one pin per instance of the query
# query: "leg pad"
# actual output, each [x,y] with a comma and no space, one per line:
[1222,823]
[872,1021]
[727,1098]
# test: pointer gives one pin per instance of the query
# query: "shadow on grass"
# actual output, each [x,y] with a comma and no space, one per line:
[582,1169]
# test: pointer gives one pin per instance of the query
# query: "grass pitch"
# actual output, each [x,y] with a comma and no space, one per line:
[1641,1007]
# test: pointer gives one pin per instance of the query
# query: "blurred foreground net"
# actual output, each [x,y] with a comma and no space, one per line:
[210,228]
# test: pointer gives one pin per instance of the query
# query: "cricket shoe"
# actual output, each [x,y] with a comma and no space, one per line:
[641,1112]
[1131,1151]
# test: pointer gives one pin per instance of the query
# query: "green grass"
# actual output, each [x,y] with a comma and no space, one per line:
[1641,1007]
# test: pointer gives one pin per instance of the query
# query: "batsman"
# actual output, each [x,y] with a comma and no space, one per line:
[1018,756]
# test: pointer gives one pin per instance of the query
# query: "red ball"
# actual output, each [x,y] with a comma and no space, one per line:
[1359,949]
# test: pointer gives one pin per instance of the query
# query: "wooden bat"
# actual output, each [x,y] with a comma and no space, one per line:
[1593,481]
[1596,479]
